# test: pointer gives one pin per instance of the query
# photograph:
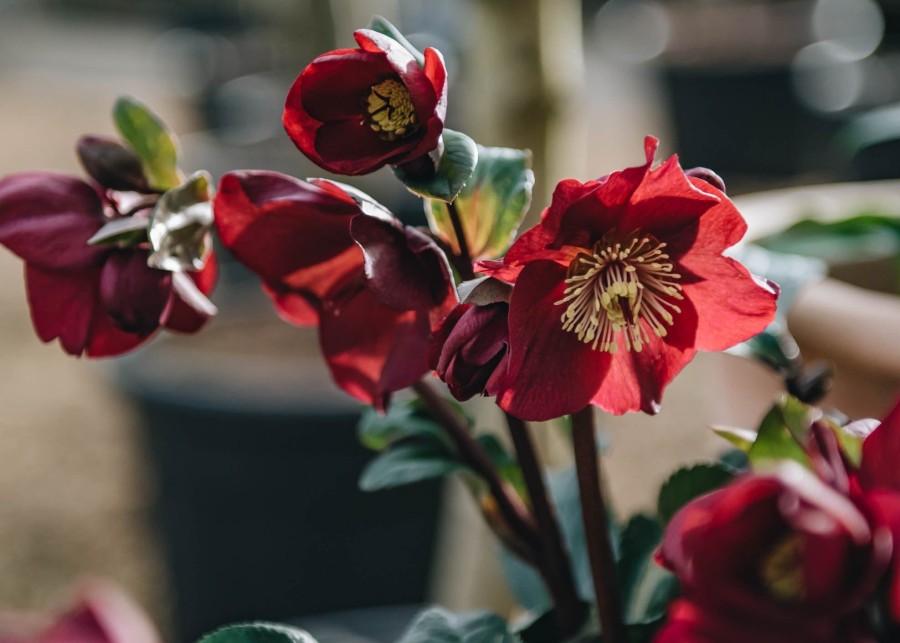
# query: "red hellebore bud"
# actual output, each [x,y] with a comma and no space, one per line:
[352,111]
[331,257]
[99,300]
[469,351]
[618,286]
[779,558]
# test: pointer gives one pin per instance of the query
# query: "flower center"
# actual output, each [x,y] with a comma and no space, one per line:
[621,287]
[391,113]
[782,570]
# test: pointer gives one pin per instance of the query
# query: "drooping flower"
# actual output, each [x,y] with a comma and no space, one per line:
[330,256]
[98,300]
[618,286]
[780,558]
[352,111]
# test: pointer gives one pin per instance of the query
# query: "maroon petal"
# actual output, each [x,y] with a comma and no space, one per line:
[351,147]
[287,231]
[46,219]
[373,350]
[64,305]
[335,85]
[421,90]
[881,455]
[108,340]
[551,373]
[293,307]
[181,316]
[132,293]
[731,304]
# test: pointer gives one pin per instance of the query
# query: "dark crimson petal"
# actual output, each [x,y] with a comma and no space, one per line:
[550,373]
[351,147]
[436,73]
[885,505]
[287,231]
[132,293]
[731,304]
[335,85]
[112,165]
[405,269]
[182,317]
[636,381]
[421,91]
[293,307]
[108,340]
[880,466]
[373,350]
[668,206]
[63,305]
[46,219]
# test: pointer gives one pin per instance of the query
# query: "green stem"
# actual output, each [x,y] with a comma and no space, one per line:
[595,516]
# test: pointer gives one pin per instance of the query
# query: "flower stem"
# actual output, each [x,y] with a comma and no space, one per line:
[555,565]
[510,505]
[595,515]
[464,258]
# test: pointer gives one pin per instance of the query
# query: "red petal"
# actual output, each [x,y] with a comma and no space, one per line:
[351,147]
[132,293]
[881,455]
[886,507]
[107,340]
[636,381]
[731,304]
[64,305]
[436,73]
[46,219]
[182,317]
[373,350]
[550,373]
[285,230]
[294,308]
[335,85]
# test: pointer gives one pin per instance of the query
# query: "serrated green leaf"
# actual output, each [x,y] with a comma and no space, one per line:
[456,165]
[151,140]
[491,205]
[437,625]
[406,463]
[688,483]
[402,420]
[383,26]
[775,440]
[258,633]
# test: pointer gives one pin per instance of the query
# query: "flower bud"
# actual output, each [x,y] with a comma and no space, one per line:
[705,174]
[112,165]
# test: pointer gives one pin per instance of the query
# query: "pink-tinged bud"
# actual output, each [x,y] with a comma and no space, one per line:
[471,349]
[705,174]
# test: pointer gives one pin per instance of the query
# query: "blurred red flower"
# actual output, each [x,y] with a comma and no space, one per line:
[352,111]
[331,257]
[779,558]
[618,286]
[98,300]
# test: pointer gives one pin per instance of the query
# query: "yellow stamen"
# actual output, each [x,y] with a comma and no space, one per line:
[620,288]
[782,572]
[391,113]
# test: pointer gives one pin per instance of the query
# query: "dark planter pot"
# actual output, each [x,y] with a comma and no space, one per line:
[257,461]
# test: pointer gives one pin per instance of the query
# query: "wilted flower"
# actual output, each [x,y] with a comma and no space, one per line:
[100,300]
[352,111]
[330,256]
[778,558]
[617,288]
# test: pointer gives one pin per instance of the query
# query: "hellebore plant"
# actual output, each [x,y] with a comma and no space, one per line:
[601,304]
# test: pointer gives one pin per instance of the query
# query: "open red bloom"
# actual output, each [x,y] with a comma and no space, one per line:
[618,286]
[352,111]
[778,558]
[97,300]
[327,257]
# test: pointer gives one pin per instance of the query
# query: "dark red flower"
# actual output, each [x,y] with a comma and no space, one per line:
[329,256]
[618,286]
[98,300]
[469,351]
[352,111]
[781,558]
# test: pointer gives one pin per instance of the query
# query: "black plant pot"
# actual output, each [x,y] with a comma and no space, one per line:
[257,462]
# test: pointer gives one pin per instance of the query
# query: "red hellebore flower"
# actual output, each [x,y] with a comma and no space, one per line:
[618,286]
[780,558]
[329,256]
[98,300]
[352,111]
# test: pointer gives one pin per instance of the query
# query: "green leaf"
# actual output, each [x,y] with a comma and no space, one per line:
[647,588]
[437,625]
[742,439]
[402,420]
[151,140]
[456,165]
[688,483]
[383,26]
[180,226]
[491,205]
[775,347]
[258,633]
[125,232]
[778,435]
[406,463]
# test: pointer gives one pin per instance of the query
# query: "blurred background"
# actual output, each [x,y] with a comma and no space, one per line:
[214,477]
